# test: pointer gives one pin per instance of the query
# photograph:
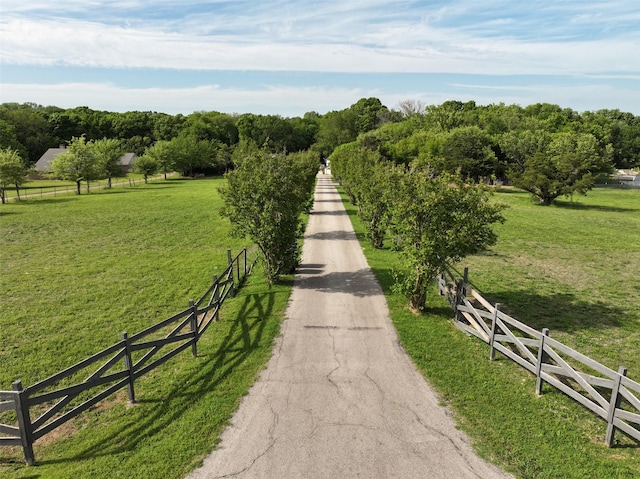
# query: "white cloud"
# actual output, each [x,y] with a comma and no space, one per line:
[284,100]
[295,101]
[91,44]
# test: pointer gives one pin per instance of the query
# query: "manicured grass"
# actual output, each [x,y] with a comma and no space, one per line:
[76,271]
[49,187]
[572,268]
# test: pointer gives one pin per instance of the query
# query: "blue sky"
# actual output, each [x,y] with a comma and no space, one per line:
[288,57]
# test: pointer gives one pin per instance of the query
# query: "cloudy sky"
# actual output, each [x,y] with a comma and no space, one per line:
[288,57]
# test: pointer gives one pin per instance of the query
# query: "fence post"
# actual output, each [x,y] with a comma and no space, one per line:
[194,328]
[24,422]
[541,357]
[245,262]
[232,290]
[216,297]
[614,403]
[461,291]
[128,365]
[492,353]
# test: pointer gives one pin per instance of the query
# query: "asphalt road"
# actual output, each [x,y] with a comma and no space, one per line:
[340,398]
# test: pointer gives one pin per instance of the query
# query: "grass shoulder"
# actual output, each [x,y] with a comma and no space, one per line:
[495,402]
[77,271]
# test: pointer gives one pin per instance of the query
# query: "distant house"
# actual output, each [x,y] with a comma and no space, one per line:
[43,165]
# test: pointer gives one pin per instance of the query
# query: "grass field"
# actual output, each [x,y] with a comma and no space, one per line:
[51,187]
[78,270]
[572,268]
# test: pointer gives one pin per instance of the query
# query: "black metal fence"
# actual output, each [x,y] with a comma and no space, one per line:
[42,407]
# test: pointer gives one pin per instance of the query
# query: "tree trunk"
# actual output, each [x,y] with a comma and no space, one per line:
[418,297]
[18,191]
[2,195]
[78,186]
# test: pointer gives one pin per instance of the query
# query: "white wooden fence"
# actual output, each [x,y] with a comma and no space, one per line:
[609,394]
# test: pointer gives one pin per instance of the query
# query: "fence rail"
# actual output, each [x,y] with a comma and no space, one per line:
[61,397]
[609,394]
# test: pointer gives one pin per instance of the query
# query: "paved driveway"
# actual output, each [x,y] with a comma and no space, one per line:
[339,397]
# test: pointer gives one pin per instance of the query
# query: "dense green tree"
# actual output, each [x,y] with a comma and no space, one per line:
[264,198]
[191,155]
[145,165]
[372,181]
[132,124]
[136,144]
[518,145]
[8,139]
[449,115]
[336,128]
[213,126]
[272,132]
[13,172]
[167,127]
[569,165]
[468,150]
[80,121]
[369,113]
[77,164]
[437,220]
[31,129]
[162,153]
[107,153]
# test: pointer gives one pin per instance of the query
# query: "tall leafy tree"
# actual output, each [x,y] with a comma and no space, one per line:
[77,164]
[570,164]
[468,149]
[31,129]
[107,153]
[264,198]
[191,154]
[12,172]
[146,165]
[162,153]
[437,220]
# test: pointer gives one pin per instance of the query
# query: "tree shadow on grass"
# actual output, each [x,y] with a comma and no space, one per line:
[584,207]
[43,201]
[558,312]
[243,338]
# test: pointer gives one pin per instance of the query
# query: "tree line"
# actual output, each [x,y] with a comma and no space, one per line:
[30,129]
[417,172]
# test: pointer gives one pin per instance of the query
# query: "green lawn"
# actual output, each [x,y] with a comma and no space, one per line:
[78,270]
[571,268]
[51,187]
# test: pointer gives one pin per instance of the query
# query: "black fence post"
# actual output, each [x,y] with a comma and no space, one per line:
[128,366]
[216,297]
[24,422]
[245,262]
[194,328]
[232,290]
[614,403]
[541,358]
